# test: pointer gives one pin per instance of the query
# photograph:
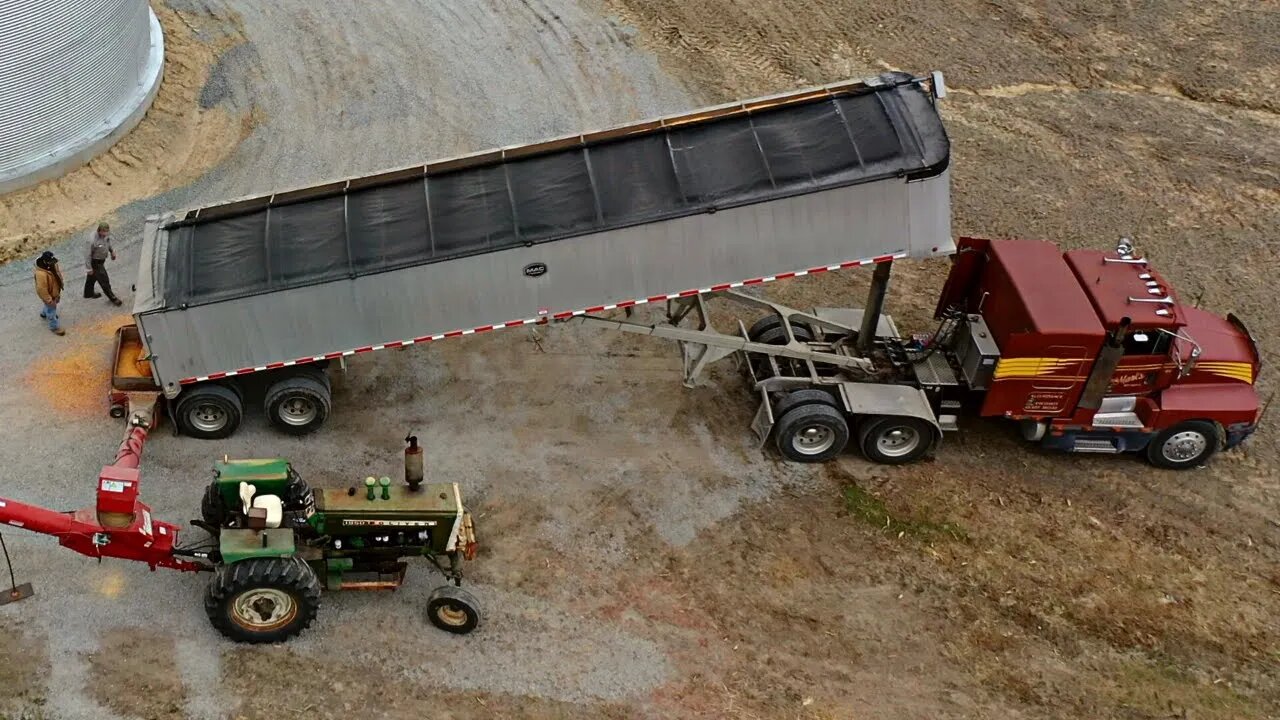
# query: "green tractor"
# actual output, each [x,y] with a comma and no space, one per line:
[280,543]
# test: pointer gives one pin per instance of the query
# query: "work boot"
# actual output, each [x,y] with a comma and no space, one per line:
[59,332]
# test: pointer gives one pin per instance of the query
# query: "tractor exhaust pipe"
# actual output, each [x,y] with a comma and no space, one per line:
[413,472]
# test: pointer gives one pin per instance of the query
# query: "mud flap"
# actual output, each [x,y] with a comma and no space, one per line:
[762,423]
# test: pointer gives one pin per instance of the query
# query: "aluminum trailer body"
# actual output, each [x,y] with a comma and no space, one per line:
[824,178]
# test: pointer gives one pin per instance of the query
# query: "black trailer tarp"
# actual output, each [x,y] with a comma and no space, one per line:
[715,159]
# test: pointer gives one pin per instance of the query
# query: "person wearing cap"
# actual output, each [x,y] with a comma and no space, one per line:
[49,288]
[95,262]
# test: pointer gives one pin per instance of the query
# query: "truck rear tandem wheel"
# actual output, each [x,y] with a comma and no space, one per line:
[812,432]
[894,440]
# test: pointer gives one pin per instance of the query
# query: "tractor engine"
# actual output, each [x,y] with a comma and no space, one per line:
[364,531]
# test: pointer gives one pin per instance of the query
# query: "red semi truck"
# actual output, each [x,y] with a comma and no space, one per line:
[1089,351]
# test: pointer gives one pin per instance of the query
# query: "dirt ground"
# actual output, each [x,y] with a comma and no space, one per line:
[642,558]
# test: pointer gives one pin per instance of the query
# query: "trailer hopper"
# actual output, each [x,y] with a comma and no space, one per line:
[828,177]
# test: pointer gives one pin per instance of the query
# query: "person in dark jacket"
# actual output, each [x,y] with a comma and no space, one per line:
[49,287]
[95,263]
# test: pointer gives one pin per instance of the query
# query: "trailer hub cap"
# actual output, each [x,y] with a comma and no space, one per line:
[208,417]
[1184,446]
[297,411]
[814,440]
[263,609]
[898,441]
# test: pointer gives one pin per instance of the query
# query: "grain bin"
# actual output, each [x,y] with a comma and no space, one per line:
[75,76]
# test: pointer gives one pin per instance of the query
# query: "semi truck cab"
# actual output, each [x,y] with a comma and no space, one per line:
[1091,351]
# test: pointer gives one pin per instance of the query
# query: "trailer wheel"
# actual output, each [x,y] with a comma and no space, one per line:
[895,440]
[263,600]
[298,404]
[778,335]
[1185,445]
[453,610]
[812,432]
[801,397]
[213,509]
[209,412]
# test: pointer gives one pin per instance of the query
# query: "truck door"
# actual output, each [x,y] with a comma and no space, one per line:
[1145,366]
[1042,387]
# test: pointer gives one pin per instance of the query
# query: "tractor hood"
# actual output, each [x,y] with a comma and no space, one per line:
[1228,352]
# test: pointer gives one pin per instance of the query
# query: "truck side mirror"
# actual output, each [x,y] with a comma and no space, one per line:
[1185,370]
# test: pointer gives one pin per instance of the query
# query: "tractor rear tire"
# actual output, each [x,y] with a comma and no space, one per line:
[1184,446]
[812,432]
[209,412]
[263,600]
[213,509]
[453,610]
[299,404]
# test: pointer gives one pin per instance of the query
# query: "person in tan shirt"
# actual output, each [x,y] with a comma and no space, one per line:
[49,287]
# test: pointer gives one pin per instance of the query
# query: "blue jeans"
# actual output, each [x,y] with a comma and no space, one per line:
[50,313]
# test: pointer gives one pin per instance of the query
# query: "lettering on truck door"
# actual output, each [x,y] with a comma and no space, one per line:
[1049,385]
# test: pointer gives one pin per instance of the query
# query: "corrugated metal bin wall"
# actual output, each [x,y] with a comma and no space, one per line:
[75,75]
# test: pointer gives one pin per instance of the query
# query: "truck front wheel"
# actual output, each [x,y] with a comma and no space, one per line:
[263,600]
[812,432]
[209,412]
[1185,445]
[890,440]
[299,404]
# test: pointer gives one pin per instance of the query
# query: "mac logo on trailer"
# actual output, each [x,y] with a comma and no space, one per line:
[535,269]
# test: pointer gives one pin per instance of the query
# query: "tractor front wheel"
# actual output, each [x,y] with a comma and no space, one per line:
[263,600]
[453,610]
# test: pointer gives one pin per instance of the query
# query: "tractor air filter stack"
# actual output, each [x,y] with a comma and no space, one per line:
[413,474]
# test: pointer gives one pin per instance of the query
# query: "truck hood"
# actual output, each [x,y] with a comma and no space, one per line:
[1228,351]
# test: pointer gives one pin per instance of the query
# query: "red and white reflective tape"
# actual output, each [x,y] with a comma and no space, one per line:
[542,318]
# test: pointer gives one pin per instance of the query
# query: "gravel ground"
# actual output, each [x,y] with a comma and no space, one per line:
[336,90]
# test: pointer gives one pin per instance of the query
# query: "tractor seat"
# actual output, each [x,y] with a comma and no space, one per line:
[271,503]
[274,507]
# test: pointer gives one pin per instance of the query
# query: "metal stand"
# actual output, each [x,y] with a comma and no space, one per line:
[15,592]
